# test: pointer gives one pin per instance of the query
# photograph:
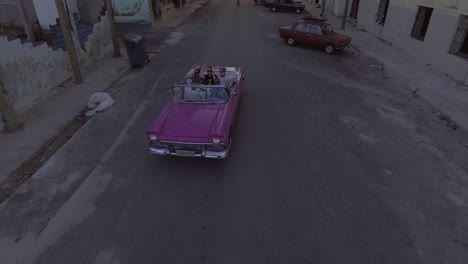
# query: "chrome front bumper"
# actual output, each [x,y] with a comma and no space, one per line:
[201,154]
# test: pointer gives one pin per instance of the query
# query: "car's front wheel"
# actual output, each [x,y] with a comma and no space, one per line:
[330,48]
[290,41]
[273,9]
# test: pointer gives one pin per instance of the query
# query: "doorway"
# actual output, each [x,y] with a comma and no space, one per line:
[354,9]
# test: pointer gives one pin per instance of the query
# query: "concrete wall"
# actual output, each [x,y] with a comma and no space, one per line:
[29,72]
[89,10]
[132,10]
[10,16]
[46,13]
[399,24]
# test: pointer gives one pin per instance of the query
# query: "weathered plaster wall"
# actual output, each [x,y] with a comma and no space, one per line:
[98,45]
[132,10]
[399,24]
[10,16]
[29,72]
[89,10]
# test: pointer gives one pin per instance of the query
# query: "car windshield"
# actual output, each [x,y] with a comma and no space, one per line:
[199,93]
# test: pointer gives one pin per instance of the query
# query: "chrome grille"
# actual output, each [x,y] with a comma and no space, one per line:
[183,146]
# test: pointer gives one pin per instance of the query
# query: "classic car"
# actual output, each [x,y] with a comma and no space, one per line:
[314,32]
[197,121]
[285,5]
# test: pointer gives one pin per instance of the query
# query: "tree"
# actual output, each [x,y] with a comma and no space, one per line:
[9,114]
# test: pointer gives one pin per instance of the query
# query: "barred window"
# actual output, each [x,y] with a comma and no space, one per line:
[460,41]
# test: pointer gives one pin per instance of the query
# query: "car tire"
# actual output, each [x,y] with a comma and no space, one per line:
[290,41]
[273,9]
[330,48]
[298,11]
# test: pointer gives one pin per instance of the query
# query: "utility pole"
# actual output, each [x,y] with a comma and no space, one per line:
[345,15]
[26,23]
[65,24]
[115,40]
[9,114]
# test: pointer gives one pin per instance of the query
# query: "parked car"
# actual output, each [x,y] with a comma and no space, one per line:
[198,120]
[314,32]
[285,5]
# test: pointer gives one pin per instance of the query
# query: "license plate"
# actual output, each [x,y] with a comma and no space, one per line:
[185,153]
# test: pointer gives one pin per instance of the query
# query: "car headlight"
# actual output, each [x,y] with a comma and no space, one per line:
[216,140]
[153,137]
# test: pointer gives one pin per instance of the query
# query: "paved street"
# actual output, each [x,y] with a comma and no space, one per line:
[333,162]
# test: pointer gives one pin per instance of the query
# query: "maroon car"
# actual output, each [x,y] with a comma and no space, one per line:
[314,32]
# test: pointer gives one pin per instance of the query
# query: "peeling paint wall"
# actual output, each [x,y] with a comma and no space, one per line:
[29,72]
[132,10]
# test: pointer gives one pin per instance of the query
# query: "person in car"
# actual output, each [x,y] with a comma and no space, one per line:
[223,78]
[210,78]
[196,79]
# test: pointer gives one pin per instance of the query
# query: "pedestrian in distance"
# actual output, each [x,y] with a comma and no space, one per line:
[238,3]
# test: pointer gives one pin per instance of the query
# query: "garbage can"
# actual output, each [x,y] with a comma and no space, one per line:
[136,49]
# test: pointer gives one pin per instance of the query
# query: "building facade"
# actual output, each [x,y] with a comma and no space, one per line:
[30,70]
[435,31]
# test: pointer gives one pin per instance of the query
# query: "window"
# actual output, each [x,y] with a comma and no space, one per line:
[460,41]
[422,22]
[327,30]
[382,12]
[314,29]
[301,27]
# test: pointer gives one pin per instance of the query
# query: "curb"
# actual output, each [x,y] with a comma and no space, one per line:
[49,147]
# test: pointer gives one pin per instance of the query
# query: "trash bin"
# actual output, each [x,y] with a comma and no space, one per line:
[136,50]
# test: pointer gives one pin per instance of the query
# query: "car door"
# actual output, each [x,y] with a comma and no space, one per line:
[301,33]
[315,36]
[286,5]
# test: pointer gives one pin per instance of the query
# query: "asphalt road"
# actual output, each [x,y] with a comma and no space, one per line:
[332,162]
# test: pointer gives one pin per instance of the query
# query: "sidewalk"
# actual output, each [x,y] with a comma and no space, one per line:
[50,114]
[47,118]
[163,28]
[181,14]
[450,97]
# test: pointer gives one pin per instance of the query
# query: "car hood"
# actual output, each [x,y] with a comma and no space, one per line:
[190,120]
[340,37]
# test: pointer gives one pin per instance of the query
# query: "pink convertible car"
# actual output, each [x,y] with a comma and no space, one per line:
[198,120]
